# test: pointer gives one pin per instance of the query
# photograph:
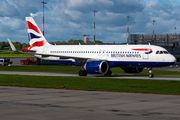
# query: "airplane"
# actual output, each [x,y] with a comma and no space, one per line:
[96,58]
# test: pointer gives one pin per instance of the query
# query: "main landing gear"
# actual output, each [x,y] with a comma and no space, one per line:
[82,73]
[109,73]
[151,75]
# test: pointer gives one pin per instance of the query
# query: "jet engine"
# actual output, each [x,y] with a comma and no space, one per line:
[133,69]
[97,67]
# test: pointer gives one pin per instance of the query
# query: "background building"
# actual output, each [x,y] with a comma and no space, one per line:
[168,41]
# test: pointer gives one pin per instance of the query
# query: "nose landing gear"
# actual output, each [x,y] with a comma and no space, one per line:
[151,75]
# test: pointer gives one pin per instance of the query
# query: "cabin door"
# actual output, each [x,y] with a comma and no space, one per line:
[146,53]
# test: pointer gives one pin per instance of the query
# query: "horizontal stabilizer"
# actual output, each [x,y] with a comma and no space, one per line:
[28,50]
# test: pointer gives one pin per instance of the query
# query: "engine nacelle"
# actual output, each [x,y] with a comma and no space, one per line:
[133,69]
[97,67]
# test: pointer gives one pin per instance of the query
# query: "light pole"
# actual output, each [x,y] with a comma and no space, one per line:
[128,29]
[43,14]
[153,26]
[175,30]
[94,24]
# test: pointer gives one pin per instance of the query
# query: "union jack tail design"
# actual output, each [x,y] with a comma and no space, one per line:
[36,38]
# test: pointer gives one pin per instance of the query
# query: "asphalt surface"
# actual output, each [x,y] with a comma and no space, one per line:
[91,75]
[53,104]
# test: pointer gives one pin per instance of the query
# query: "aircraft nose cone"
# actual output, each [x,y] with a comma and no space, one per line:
[173,59]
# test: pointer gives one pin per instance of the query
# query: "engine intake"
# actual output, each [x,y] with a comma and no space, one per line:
[97,67]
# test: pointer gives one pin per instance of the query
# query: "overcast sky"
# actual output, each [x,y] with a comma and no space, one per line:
[64,19]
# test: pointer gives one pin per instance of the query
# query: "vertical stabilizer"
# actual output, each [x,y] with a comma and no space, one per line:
[36,38]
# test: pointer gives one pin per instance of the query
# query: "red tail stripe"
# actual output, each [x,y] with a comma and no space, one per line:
[31,26]
[143,49]
[38,44]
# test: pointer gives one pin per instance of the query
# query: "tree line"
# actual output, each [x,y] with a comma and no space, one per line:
[18,45]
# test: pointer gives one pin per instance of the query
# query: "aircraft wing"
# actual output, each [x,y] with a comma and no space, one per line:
[12,46]
[81,60]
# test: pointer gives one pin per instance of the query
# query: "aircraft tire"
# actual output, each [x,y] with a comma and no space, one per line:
[151,75]
[82,73]
[109,73]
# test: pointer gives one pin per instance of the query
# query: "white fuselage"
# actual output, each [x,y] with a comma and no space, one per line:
[115,53]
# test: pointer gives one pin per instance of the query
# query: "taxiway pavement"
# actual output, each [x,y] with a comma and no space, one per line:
[91,75]
[19,103]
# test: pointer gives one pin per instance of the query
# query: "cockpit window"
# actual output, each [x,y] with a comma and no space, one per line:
[162,52]
[165,52]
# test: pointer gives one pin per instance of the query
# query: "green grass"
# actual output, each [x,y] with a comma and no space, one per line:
[11,54]
[98,84]
[69,69]
[15,56]
[52,69]
[84,83]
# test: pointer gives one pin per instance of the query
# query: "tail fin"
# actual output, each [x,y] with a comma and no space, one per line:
[36,38]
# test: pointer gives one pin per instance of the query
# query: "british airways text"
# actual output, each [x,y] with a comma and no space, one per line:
[127,55]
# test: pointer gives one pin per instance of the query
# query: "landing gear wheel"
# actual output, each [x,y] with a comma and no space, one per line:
[82,73]
[109,73]
[151,75]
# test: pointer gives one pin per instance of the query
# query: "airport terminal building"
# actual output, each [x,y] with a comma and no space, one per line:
[170,42]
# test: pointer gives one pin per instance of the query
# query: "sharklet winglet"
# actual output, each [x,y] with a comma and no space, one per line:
[12,46]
